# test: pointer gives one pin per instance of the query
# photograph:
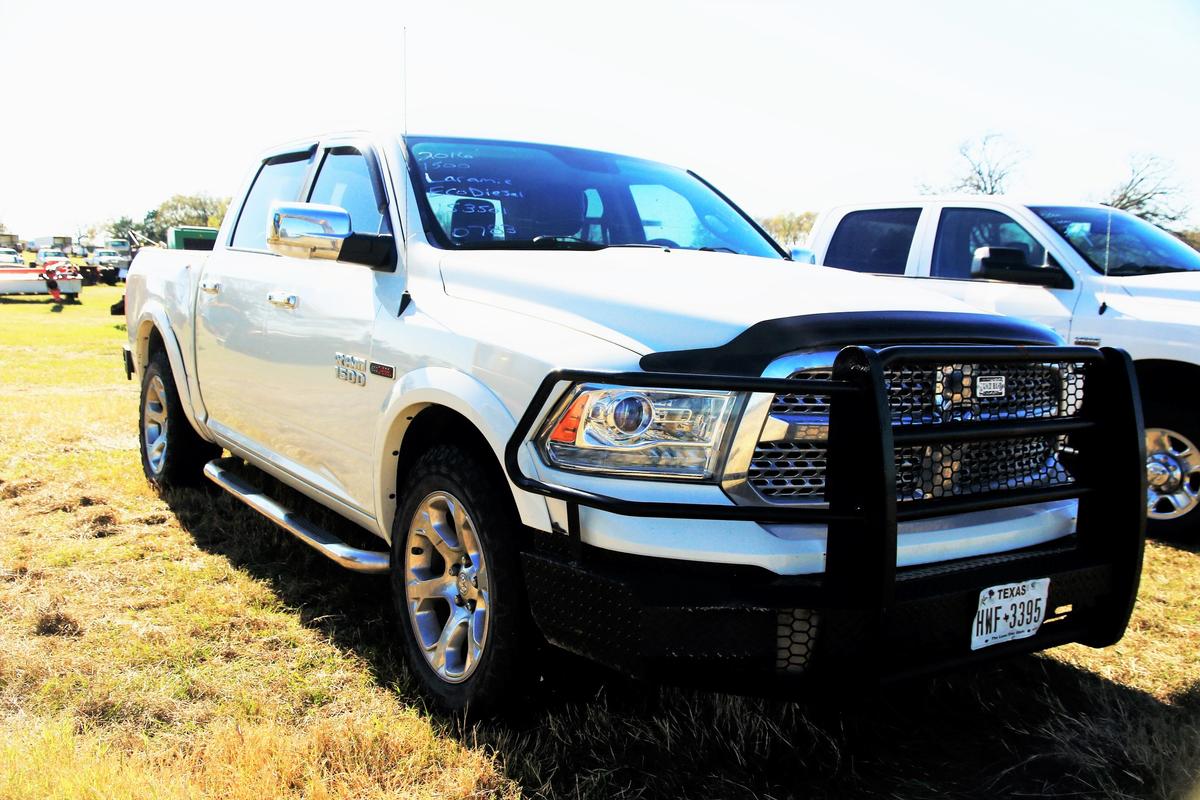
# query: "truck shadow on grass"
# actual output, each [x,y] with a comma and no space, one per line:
[1032,726]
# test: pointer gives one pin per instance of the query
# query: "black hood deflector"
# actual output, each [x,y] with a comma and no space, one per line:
[753,349]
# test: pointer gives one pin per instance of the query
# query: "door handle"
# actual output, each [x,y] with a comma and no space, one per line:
[282,299]
[210,288]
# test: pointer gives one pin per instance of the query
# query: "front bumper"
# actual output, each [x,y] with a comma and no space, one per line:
[862,618]
[744,628]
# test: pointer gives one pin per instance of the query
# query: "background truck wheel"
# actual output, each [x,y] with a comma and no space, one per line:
[173,454]
[1172,469]
[457,584]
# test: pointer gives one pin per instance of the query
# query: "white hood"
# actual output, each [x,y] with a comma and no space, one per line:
[1179,286]
[1171,298]
[652,300]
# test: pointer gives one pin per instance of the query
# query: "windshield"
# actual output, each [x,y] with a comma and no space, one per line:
[1128,245]
[480,194]
[107,253]
[4,251]
[53,254]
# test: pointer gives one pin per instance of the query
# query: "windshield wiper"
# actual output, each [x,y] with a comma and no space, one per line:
[565,243]
[719,250]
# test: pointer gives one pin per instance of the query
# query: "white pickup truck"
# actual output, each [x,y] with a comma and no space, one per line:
[1096,275]
[582,399]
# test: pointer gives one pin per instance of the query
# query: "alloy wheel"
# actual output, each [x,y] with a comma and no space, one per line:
[154,424]
[446,586]
[1172,474]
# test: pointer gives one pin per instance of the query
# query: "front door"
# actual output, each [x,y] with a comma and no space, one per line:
[960,231]
[321,319]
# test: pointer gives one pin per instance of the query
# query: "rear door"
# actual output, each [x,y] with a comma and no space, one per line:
[877,241]
[946,266]
[234,358]
[327,398]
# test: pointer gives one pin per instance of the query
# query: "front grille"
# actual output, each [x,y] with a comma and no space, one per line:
[932,394]
[923,394]
[920,394]
[797,404]
[962,468]
[788,469]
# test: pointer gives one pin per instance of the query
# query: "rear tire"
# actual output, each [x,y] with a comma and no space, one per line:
[1172,460]
[457,584]
[173,454]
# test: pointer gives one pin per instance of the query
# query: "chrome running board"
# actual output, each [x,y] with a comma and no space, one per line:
[222,473]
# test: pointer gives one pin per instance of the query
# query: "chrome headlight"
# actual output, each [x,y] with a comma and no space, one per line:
[623,431]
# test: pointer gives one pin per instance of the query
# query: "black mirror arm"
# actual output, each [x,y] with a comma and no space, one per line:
[377,251]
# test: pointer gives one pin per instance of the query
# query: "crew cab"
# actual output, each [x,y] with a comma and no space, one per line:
[1096,275]
[582,399]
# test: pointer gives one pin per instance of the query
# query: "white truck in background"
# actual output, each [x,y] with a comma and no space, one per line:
[1096,275]
[583,399]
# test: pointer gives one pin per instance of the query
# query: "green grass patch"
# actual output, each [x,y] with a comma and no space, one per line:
[182,647]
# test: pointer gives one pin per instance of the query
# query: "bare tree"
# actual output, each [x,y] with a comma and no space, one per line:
[1149,191]
[990,162]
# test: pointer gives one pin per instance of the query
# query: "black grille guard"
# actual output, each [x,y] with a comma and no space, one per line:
[863,511]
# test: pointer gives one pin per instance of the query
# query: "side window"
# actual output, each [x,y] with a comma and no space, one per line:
[345,181]
[279,178]
[962,230]
[874,241]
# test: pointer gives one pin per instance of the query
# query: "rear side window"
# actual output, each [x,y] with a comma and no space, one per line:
[961,231]
[345,181]
[279,178]
[874,241]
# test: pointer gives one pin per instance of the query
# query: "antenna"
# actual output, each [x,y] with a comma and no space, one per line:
[1107,244]
[404,144]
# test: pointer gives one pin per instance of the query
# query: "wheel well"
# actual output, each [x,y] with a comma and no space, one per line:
[435,425]
[154,343]
[1160,376]
[150,341]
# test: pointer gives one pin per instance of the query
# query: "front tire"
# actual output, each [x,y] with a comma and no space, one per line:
[173,454]
[1172,471]
[457,583]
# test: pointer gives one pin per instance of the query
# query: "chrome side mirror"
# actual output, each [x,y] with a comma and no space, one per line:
[307,230]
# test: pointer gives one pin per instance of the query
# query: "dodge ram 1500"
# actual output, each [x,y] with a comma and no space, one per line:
[583,399]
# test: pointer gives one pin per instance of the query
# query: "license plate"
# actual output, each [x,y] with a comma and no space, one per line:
[1009,611]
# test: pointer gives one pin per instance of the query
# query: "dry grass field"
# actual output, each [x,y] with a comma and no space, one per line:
[182,647]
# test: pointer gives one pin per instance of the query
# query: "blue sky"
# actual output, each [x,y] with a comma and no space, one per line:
[784,105]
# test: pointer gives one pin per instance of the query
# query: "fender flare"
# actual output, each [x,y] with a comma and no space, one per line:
[465,395]
[154,317]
